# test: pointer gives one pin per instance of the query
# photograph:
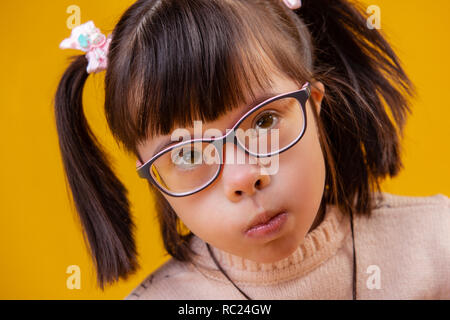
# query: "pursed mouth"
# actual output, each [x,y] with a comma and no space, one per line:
[263,219]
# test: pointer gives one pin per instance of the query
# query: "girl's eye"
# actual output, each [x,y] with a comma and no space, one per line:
[186,158]
[266,121]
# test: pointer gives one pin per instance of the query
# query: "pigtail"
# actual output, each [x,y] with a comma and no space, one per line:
[99,197]
[361,74]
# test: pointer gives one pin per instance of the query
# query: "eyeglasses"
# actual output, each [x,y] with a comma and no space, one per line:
[190,166]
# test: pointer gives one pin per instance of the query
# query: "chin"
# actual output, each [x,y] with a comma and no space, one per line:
[277,251]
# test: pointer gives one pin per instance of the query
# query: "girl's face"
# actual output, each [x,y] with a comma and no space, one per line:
[221,213]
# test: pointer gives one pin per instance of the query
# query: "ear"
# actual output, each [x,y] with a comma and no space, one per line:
[317,93]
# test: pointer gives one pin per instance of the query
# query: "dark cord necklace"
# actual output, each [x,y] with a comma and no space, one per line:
[248,298]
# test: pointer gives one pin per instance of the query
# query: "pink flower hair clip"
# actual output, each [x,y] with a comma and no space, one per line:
[88,38]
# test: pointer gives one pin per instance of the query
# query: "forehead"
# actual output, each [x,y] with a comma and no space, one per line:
[280,84]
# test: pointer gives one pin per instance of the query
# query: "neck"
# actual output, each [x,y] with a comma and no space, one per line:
[319,217]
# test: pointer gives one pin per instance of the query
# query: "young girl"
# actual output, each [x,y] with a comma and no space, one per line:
[316,81]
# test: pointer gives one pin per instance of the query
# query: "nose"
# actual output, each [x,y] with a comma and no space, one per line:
[240,176]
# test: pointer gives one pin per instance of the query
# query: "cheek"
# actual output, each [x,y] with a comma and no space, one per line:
[200,213]
[185,208]
[303,170]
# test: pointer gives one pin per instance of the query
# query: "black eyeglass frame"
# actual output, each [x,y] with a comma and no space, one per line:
[302,95]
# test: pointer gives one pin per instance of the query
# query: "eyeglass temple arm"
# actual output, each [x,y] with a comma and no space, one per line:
[307,86]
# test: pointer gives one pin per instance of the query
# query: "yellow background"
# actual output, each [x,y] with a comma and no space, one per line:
[39,234]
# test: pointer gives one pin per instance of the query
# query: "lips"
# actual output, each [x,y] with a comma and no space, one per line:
[263,218]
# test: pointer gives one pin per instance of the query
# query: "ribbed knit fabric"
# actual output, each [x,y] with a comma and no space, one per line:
[402,252]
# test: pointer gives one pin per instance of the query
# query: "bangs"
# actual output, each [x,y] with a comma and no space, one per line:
[198,60]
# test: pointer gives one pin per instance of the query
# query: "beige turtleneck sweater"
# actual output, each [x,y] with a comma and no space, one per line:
[402,252]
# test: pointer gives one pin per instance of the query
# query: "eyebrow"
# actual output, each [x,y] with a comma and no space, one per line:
[258,100]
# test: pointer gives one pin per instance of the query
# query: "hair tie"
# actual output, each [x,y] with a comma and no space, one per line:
[86,37]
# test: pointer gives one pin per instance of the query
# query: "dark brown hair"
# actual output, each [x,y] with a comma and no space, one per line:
[173,61]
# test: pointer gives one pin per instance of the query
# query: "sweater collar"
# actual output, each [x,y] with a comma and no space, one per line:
[318,245]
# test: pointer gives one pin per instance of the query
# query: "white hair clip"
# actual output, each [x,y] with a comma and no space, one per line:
[88,38]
